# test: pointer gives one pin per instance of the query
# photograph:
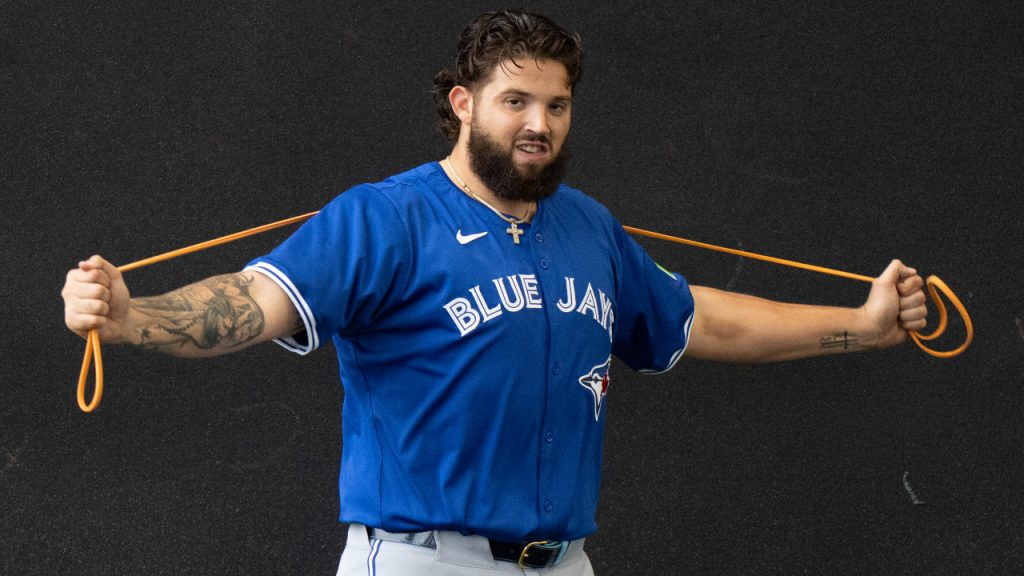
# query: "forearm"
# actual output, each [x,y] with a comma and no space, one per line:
[740,328]
[211,317]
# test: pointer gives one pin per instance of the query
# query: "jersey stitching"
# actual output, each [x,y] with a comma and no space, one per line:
[376,432]
[410,265]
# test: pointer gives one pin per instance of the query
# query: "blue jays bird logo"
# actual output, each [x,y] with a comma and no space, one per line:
[597,382]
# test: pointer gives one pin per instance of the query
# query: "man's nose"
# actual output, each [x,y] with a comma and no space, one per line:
[537,121]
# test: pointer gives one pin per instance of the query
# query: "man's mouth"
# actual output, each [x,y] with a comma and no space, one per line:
[533,149]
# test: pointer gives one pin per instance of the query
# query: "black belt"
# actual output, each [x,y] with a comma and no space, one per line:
[529,555]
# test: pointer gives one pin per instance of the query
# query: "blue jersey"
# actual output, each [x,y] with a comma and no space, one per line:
[475,369]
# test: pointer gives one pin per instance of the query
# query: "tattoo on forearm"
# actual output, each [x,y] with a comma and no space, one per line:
[844,341]
[217,312]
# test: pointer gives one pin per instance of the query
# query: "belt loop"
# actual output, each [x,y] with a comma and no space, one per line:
[561,553]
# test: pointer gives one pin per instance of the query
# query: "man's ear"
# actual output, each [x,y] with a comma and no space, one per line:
[461,100]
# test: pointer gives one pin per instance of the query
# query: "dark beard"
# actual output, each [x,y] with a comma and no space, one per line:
[496,168]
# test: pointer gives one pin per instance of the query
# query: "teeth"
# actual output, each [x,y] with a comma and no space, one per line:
[530,148]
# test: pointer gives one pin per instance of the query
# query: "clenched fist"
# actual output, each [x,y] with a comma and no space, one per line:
[96,297]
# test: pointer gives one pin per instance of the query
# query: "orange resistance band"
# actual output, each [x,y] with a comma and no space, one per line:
[935,285]
[92,344]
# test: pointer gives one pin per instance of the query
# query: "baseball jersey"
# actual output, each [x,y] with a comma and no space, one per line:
[475,370]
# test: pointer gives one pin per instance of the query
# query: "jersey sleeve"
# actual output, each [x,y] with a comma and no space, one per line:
[654,310]
[342,267]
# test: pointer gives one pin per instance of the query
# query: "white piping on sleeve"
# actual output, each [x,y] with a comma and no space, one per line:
[678,353]
[308,320]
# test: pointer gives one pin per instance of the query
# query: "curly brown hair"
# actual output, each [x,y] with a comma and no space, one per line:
[495,37]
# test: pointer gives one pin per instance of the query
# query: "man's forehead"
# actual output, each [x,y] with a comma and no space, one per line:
[528,74]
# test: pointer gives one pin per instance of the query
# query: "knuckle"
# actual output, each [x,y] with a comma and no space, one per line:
[96,276]
[910,315]
[79,323]
[99,292]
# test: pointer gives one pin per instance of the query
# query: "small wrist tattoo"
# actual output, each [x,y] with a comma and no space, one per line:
[844,341]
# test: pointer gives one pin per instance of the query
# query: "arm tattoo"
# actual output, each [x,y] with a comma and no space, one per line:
[215,313]
[843,341]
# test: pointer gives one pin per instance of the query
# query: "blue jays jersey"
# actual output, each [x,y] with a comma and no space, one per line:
[475,369]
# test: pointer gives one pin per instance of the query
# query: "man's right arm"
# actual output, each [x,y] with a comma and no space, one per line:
[215,316]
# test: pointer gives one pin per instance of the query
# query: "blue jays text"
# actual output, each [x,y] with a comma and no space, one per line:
[469,313]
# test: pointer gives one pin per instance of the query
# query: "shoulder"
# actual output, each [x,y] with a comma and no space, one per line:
[575,197]
[409,185]
[575,205]
[393,195]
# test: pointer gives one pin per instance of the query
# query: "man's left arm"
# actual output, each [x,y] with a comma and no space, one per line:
[734,327]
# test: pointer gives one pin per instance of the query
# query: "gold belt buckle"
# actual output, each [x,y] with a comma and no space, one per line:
[526,551]
[558,548]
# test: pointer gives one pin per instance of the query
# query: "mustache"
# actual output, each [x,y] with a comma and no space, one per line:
[534,139]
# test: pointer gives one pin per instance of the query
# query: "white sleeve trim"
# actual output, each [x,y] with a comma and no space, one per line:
[678,353]
[282,280]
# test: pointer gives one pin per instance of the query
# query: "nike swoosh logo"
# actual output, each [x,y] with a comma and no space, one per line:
[468,238]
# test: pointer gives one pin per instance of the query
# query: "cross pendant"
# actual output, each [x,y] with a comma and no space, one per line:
[514,232]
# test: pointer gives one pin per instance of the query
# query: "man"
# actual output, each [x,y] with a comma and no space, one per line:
[475,304]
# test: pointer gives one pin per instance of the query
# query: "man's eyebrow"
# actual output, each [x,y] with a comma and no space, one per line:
[514,92]
[528,95]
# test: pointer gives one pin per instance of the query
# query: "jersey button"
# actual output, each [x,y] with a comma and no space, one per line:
[548,506]
[555,369]
[549,437]
[544,263]
[538,237]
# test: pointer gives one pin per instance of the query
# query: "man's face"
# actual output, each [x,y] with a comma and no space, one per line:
[521,119]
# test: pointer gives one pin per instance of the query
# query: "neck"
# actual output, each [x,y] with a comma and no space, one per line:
[461,174]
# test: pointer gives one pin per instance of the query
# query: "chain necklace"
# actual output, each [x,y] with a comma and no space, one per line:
[513,230]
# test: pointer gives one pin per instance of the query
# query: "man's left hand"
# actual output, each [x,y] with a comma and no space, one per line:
[896,304]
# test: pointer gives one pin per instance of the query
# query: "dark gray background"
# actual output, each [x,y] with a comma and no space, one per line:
[842,134]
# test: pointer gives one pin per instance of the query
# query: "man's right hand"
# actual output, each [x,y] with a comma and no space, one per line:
[96,297]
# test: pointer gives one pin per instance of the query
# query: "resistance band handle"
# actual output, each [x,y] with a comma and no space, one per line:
[92,346]
[935,285]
